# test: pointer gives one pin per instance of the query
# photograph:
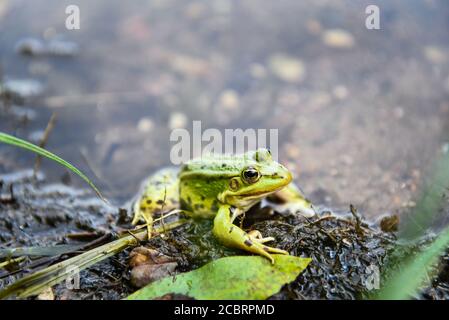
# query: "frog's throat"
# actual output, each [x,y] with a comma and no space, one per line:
[248,197]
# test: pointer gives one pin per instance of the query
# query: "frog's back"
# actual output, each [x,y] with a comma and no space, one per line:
[160,192]
[212,165]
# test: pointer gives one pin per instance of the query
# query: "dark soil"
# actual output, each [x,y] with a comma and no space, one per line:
[345,249]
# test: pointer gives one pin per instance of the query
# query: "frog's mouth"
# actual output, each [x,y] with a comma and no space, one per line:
[261,194]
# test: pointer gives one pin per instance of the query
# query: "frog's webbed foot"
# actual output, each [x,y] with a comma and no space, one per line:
[292,199]
[303,208]
[232,236]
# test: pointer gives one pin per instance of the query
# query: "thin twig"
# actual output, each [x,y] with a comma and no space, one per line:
[43,142]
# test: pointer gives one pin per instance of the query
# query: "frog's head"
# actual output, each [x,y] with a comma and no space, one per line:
[259,176]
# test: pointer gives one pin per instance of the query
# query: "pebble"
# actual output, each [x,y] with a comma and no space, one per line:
[23,113]
[338,38]
[46,294]
[189,66]
[398,113]
[145,125]
[287,68]
[340,92]
[147,273]
[36,136]
[149,265]
[37,47]
[229,99]
[22,88]
[292,151]
[314,26]
[445,148]
[258,71]
[435,55]
[177,120]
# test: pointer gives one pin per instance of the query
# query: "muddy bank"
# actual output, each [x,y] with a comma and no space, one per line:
[346,250]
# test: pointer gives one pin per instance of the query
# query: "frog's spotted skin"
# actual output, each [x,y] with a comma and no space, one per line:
[222,188]
[161,193]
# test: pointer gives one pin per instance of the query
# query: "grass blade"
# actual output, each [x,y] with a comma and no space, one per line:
[34,283]
[405,282]
[37,251]
[11,140]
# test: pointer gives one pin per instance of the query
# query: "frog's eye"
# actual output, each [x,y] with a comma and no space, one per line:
[263,155]
[251,175]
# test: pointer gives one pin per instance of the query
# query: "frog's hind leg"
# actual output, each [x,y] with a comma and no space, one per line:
[143,213]
[160,194]
[291,198]
[232,236]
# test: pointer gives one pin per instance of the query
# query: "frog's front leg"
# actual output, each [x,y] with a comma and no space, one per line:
[232,236]
[290,198]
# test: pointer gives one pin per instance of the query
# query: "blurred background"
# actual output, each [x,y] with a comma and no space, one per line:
[361,113]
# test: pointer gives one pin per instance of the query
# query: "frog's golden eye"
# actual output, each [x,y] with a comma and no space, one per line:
[234,184]
[251,175]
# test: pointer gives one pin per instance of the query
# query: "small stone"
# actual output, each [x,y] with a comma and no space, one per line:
[23,113]
[23,88]
[398,112]
[142,255]
[321,99]
[147,273]
[258,71]
[314,26]
[37,47]
[340,92]
[36,136]
[292,151]
[46,294]
[149,265]
[189,66]
[435,54]
[334,172]
[287,68]
[347,160]
[49,33]
[62,48]
[177,120]
[445,148]
[338,38]
[229,99]
[145,125]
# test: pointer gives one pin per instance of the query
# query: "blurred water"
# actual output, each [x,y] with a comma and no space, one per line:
[361,113]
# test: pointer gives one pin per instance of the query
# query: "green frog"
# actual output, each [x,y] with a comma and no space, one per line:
[222,188]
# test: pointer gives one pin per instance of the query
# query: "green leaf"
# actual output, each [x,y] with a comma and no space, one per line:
[405,282]
[8,139]
[235,278]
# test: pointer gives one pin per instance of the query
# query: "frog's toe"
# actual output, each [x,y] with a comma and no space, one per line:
[298,207]
[275,250]
[256,236]
[265,251]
